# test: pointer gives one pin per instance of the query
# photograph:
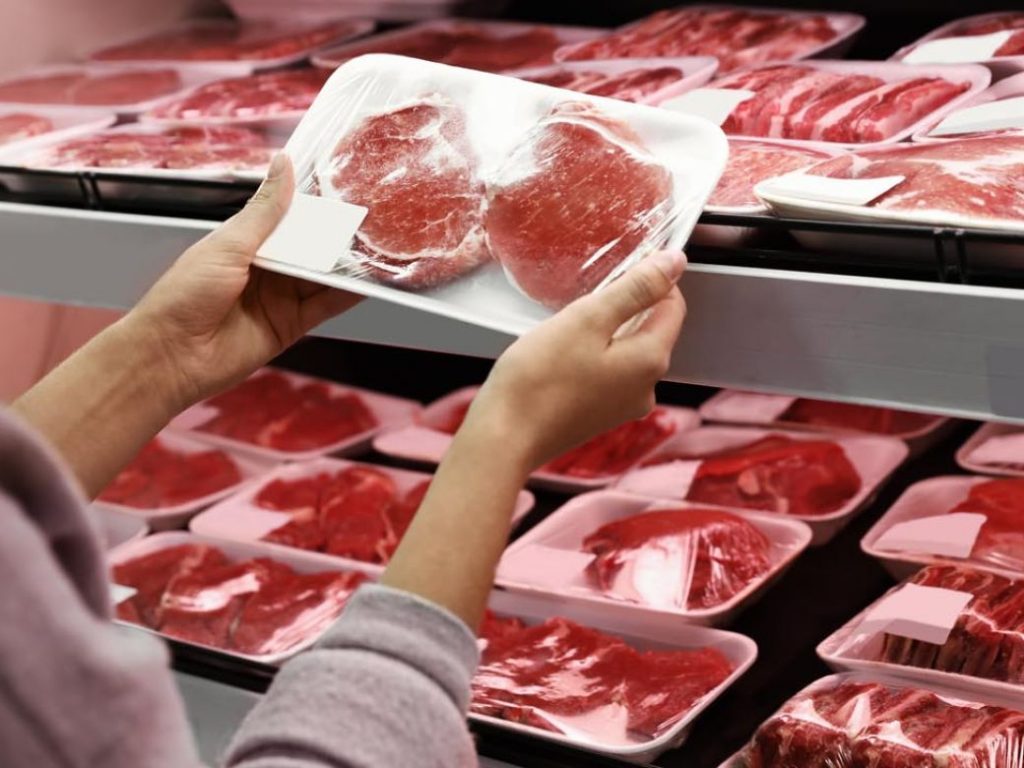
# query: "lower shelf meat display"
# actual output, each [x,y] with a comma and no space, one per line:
[83,87]
[22,125]
[629,85]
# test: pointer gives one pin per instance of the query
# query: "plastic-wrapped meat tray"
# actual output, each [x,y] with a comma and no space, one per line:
[884,721]
[118,528]
[492,46]
[822,480]
[643,81]
[331,508]
[242,46]
[1007,60]
[427,441]
[244,600]
[996,110]
[625,554]
[995,449]
[737,36]
[283,416]
[25,126]
[601,730]
[326,10]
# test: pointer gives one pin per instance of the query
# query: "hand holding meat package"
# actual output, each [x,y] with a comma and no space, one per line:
[490,199]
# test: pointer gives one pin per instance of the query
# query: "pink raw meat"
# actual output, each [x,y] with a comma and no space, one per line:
[150,574]
[21,125]
[613,452]
[81,88]
[631,85]
[1001,540]
[750,163]
[579,196]
[414,169]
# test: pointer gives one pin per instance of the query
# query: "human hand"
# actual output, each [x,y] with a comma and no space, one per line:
[218,318]
[582,373]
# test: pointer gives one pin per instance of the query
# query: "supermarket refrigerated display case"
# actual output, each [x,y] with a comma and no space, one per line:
[934,326]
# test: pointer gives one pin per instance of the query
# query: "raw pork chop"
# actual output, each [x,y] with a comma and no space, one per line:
[82,88]
[579,196]
[613,452]
[678,558]
[750,163]
[20,125]
[1001,541]
[631,85]
[414,169]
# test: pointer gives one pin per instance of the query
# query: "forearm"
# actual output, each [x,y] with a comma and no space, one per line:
[101,405]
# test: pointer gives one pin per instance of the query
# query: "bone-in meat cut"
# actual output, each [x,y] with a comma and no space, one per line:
[22,125]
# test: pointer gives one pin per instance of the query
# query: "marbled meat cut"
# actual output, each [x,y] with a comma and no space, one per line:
[561,676]
[150,574]
[804,102]
[998,22]
[272,411]
[750,163]
[462,45]
[251,40]
[613,452]
[592,194]
[685,558]
[22,125]
[974,178]
[160,476]
[1001,540]
[859,418]
[631,85]
[95,89]
[414,169]
[843,721]
[253,97]
[988,639]
[737,37]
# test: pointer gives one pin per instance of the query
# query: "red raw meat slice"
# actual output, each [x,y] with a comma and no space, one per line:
[242,412]
[1001,540]
[125,87]
[401,513]
[631,85]
[616,451]
[491,53]
[354,515]
[41,89]
[415,170]
[702,557]
[150,574]
[301,499]
[291,608]
[593,196]
[768,85]
[1014,46]
[21,125]
[452,421]
[494,627]
[806,123]
[809,478]
[862,418]
[750,163]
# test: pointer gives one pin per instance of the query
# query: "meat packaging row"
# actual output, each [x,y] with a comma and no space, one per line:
[995,39]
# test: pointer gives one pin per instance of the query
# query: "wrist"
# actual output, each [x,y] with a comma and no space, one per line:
[495,432]
[153,361]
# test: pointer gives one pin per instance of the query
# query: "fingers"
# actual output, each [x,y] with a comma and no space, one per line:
[662,326]
[639,289]
[243,234]
[321,306]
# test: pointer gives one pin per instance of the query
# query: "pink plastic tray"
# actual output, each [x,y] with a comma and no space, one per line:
[975,441]
[424,443]
[118,528]
[874,458]
[1010,88]
[1002,66]
[390,412]
[325,10]
[697,70]
[565,529]
[297,559]
[68,122]
[239,519]
[645,632]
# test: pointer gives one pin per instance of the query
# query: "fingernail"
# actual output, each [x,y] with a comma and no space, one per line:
[671,263]
[277,166]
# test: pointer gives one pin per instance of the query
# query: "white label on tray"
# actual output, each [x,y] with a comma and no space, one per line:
[920,613]
[671,480]
[246,525]
[119,593]
[823,189]
[994,116]
[959,50]
[545,566]
[756,408]
[714,104]
[315,233]
[1001,449]
[950,535]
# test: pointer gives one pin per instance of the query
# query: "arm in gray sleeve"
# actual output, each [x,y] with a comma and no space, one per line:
[387,686]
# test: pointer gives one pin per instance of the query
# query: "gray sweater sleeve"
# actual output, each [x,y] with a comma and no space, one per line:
[387,686]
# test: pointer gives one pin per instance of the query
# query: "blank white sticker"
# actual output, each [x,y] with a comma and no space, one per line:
[714,104]
[756,408]
[920,613]
[959,50]
[994,116]
[952,535]
[119,593]
[671,480]
[1001,449]
[828,190]
[315,233]
[545,566]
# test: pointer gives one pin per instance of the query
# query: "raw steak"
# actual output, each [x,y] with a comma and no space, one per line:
[736,37]
[631,85]
[266,95]
[612,453]
[451,422]
[415,170]
[81,88]
[251,40]
[494,627]
[861,418]
[1001,540]
[750,163]
[21,125]
[560,672]
[678,558]
[400,514]
[150,575]
[579,196]
[161,477]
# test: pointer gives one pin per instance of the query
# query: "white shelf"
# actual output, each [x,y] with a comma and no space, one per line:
[945,348]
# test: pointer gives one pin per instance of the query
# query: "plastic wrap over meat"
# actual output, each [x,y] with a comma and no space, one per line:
[689,559]
[849,721]
[256,607]
[1001,540]
[22,125]
[630,85]
[561,676]
[84,87]
[750,163]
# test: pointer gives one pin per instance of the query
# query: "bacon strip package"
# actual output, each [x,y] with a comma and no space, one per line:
[848,720]
[1004,56]
[620,551]
[334,508]
[448,164]
[285,416]
[738,37]
[820,480]
[234,598]
[995,449]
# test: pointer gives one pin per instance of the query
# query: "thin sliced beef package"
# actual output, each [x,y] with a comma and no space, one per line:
[1005,46]
[491,200]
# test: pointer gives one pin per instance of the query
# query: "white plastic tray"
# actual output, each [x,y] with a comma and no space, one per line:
[68,122]
[390,412]
[119,528]
[1011,87]
[567,526]
[985,432]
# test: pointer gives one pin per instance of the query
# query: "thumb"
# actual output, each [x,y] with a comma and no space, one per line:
[246,231]
[638,289]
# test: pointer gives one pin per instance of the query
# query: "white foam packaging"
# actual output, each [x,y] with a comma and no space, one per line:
[994,449]
[981,48]
[874,458]
[505,120]
[548,560]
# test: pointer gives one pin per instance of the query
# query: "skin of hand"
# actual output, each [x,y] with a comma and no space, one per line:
[207,323]
[584,371]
